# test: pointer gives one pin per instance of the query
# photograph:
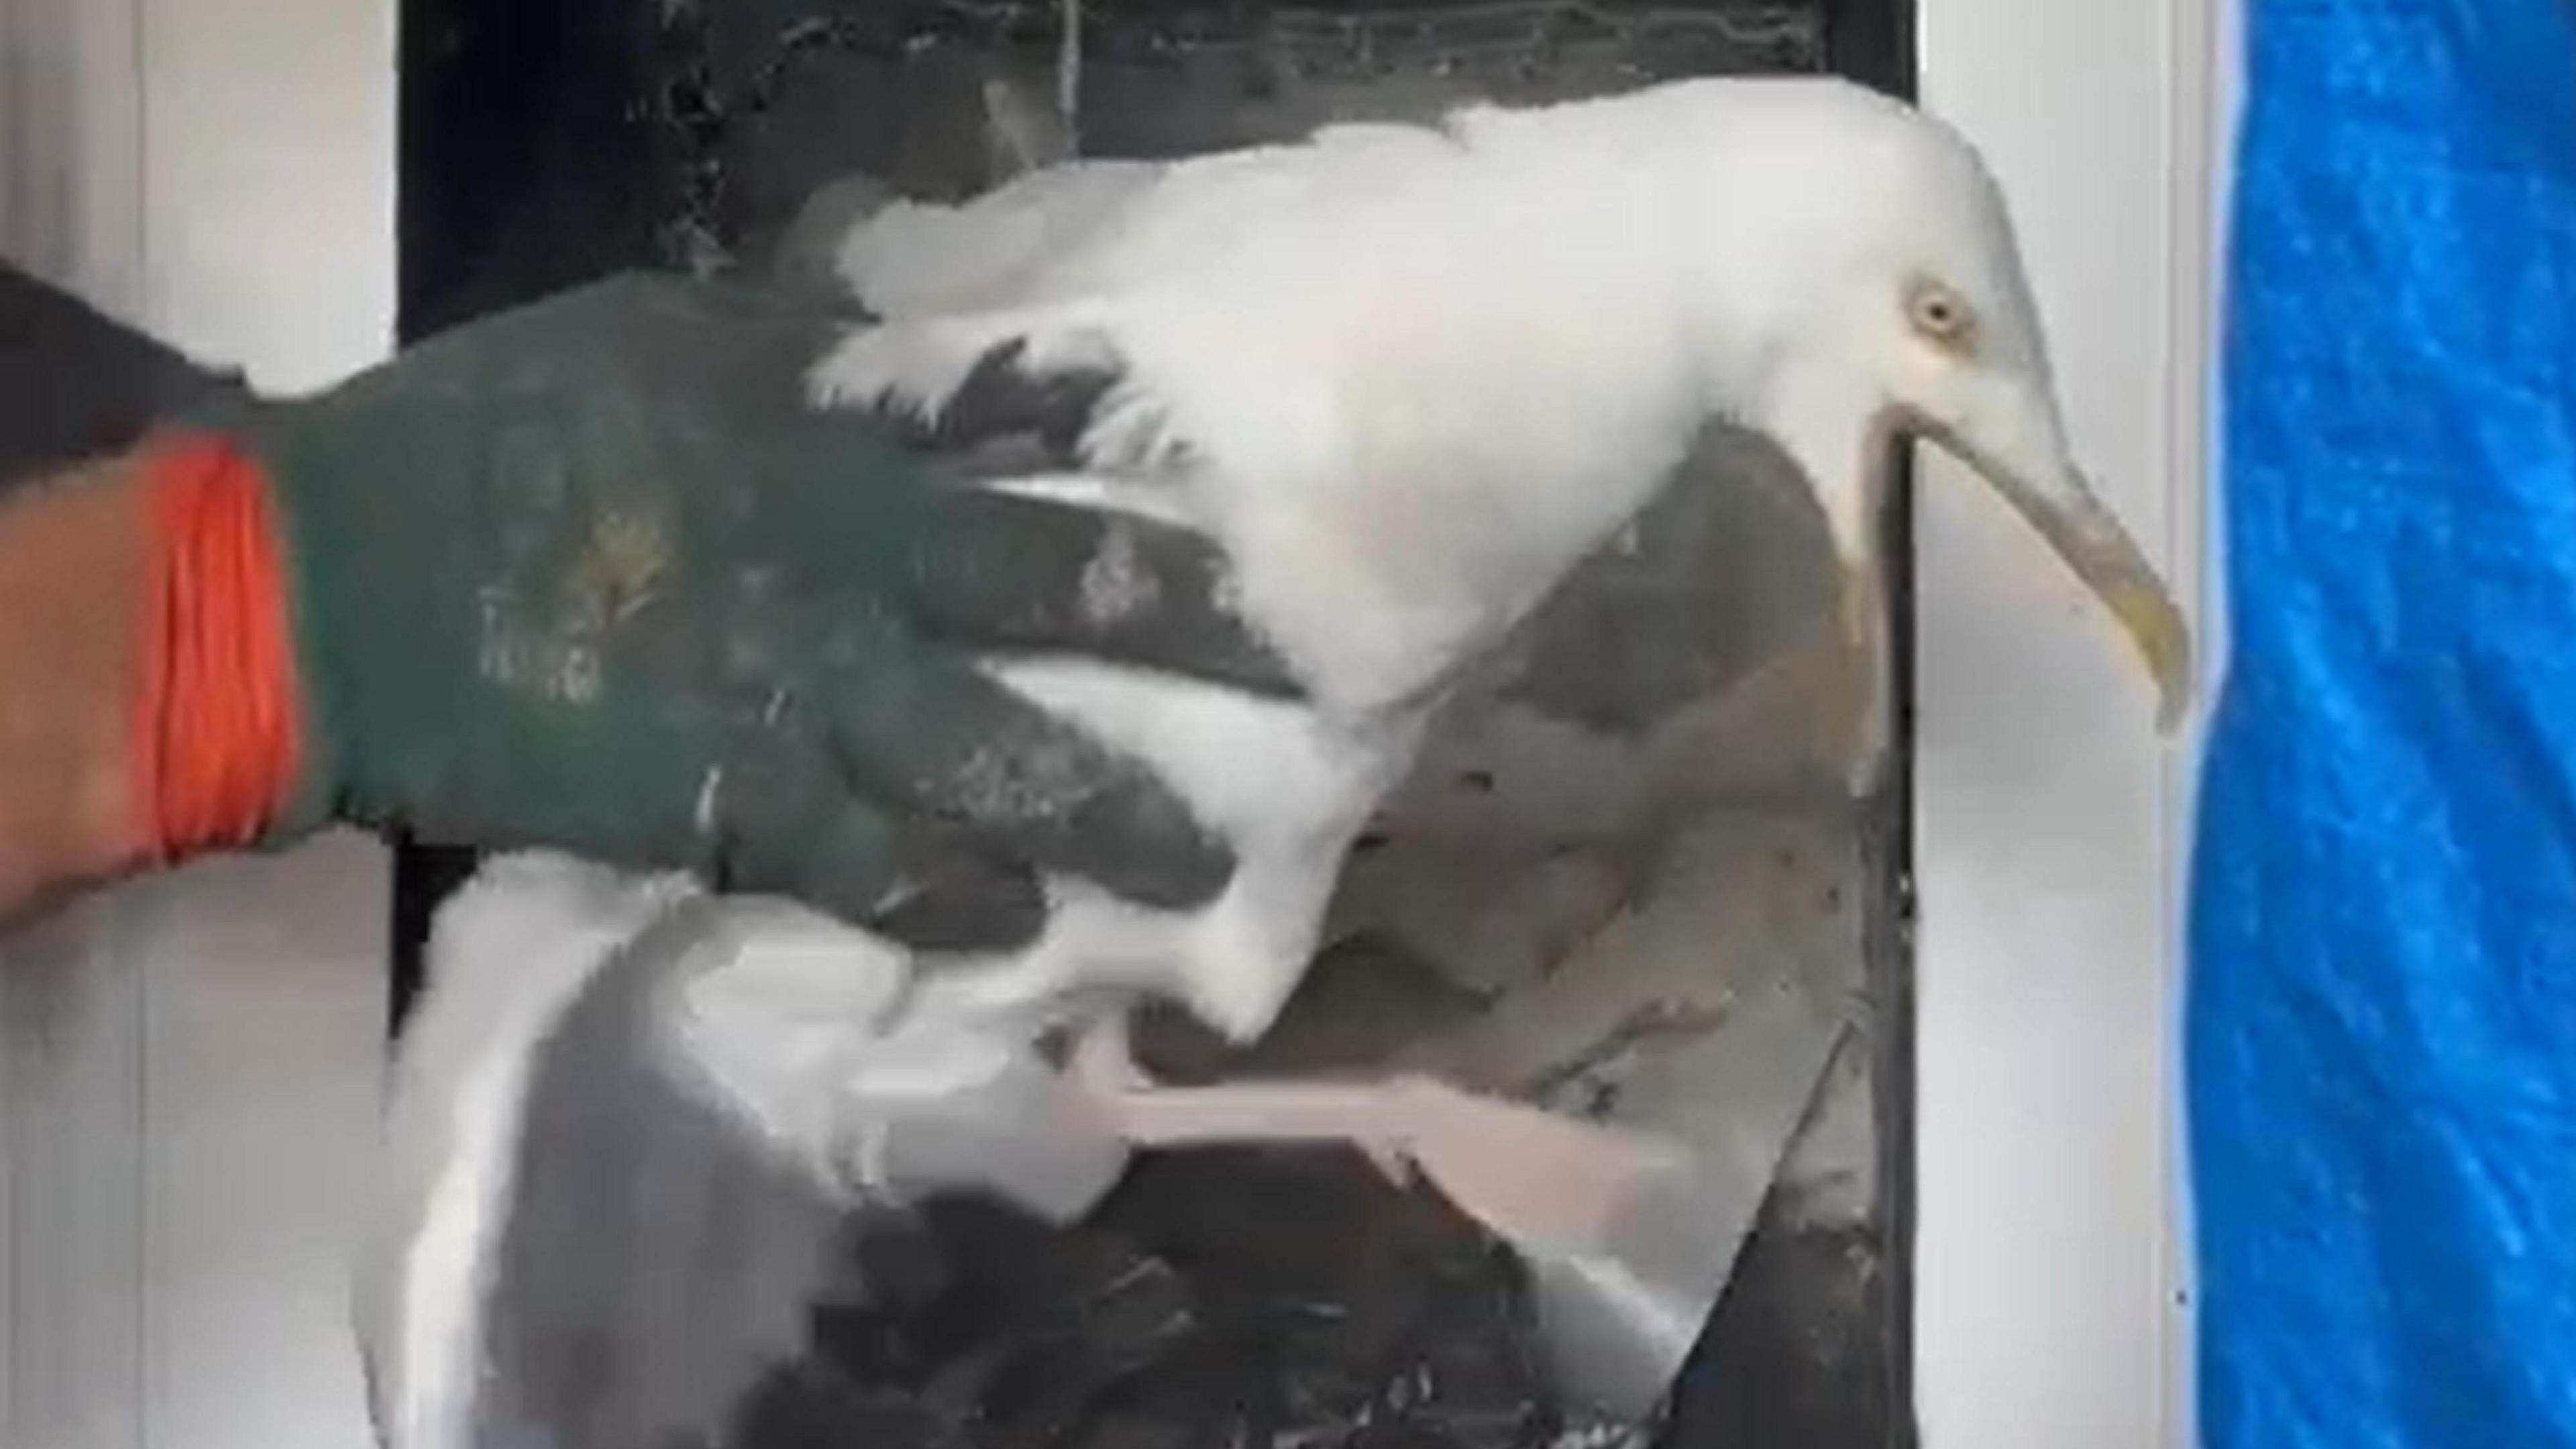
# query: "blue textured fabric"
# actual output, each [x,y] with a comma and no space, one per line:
[2383,1014]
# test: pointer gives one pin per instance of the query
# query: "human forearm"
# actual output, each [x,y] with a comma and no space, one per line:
[73,566]
[594,576]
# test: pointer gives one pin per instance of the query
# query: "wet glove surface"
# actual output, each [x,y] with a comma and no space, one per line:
[593,575]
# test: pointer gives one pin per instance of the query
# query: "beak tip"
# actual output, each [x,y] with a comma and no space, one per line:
[2155,625]
[2166,641]
[2172,707]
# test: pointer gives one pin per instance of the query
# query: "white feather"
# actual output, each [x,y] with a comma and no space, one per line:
[516,947]
[1406,377]
[912,258]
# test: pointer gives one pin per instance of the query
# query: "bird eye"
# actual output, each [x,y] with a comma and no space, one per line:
[1941,316]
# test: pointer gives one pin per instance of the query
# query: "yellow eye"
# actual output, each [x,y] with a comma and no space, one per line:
[1942,316]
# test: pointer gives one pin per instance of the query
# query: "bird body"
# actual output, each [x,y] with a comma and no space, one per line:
[1416,372]
[1408,377]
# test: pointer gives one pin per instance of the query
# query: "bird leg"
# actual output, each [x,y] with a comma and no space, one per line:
[1541,1181]
[1370,1116]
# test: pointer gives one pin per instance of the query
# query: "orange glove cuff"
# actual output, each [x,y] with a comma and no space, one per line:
[218,737]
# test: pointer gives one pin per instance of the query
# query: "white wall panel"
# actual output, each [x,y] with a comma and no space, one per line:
[71,146]
[269,182]
[189,1066]
[2052,825]
[73,1136]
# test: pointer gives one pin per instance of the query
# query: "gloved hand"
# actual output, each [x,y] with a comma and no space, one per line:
[593,575]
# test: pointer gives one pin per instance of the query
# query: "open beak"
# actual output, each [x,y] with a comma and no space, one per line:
[2039,481]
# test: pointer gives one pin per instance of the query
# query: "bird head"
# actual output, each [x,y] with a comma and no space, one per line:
[1889,301]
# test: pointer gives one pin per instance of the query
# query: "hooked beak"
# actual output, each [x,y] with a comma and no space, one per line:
[2032,472]
[1837,428]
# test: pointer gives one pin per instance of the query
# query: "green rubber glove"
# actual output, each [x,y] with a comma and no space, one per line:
[593,575]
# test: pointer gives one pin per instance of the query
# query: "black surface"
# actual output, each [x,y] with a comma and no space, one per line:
[1871,41]
[424,877]
[527,159]
[1199,1308]
[75,383]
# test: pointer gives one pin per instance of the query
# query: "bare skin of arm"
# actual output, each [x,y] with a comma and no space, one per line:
[72,573]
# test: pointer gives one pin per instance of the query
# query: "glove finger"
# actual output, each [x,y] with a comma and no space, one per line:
[953,899]
[999,402]
[847,507]
[784,825]
[996,570]
[951,746]
[1009,572]
[787,825]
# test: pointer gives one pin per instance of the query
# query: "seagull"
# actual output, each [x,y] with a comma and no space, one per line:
[1407,376]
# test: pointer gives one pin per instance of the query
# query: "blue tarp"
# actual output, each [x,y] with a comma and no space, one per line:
[2383,1013]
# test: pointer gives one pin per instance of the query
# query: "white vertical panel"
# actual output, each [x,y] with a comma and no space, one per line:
[71,1122]
[38,99]
[269,178]
[265,1050]
[71,147]
[189,1066]
[189,1069]
[2052,825]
